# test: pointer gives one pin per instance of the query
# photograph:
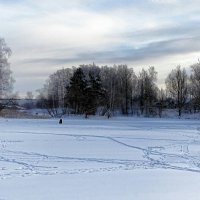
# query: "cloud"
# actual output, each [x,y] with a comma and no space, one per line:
[46,35]
[165,1]
[126,54]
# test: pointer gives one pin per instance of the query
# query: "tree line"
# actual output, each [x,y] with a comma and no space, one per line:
[107,90]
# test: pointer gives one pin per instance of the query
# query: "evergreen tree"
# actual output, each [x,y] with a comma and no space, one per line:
[147,90]
[76,91]
[94,94]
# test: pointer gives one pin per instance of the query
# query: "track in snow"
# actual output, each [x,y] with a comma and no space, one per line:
[154,151]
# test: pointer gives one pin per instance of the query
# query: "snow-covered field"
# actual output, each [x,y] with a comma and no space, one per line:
[100,159]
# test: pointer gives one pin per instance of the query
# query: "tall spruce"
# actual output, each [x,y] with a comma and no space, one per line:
[76,92]
[94,94]
[147,90]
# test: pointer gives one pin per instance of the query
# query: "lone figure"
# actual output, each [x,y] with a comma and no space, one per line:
[60,121]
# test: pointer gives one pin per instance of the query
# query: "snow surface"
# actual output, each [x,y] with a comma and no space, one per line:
[100,159]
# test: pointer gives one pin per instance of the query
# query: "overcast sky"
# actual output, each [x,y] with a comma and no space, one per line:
[48,35]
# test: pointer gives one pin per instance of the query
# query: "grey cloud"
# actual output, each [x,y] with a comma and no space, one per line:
[113,4]
[152,50]
[39,31]
[50,61]
[187,29]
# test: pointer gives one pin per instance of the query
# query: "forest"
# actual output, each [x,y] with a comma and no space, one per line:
[109,90]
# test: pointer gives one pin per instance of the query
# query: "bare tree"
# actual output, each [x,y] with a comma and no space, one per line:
[134,94]
[29,104]
[6,79]
[177,86]
[161,101]
[109,81]
[52,95]
[124,75]
[195,85]
[29,95]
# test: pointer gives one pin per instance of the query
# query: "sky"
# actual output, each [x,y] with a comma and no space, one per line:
[48,35]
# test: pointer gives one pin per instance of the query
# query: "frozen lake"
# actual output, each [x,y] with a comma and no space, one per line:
[100,159]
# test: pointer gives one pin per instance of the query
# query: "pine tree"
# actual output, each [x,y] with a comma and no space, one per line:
[76,91]
[94,94]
